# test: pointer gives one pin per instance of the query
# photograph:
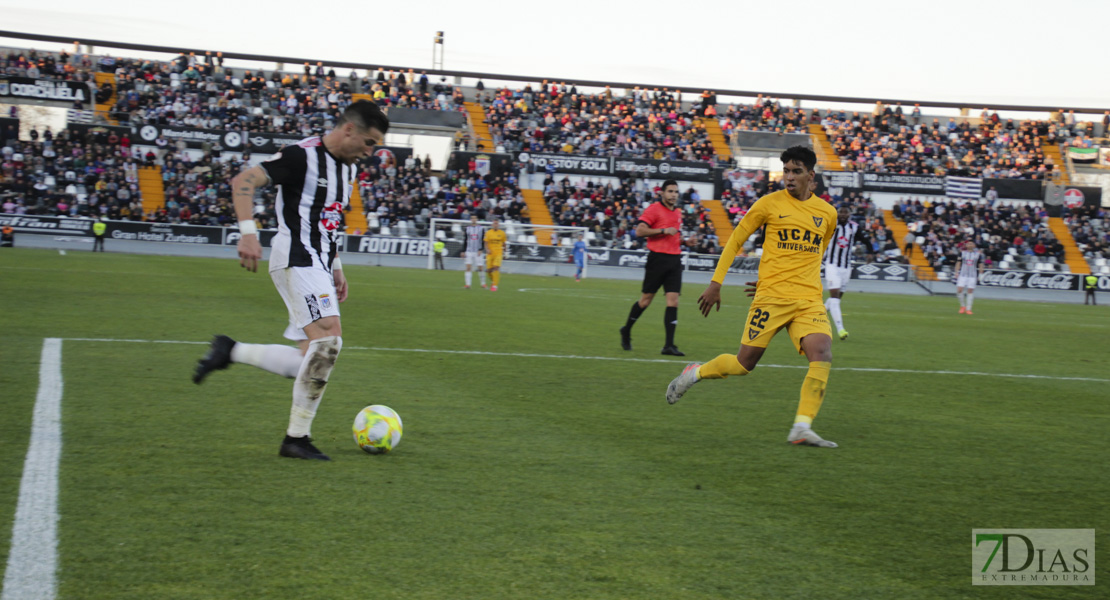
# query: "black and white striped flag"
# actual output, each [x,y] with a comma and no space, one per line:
[963,187]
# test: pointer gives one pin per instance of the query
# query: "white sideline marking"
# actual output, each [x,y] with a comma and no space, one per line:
[33,560]
[642,360]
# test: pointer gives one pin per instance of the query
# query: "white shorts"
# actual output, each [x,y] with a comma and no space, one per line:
[309,294]
[967,282]
[837,277]
[474,258]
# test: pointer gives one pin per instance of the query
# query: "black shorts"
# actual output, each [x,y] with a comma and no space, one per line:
[663,270]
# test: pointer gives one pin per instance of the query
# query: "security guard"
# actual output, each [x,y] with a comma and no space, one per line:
[439,249]
[7,237]
[99,229]
[1090,282]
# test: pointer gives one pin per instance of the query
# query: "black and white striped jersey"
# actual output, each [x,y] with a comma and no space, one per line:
[313,191]
[475,234]
[839,253]
[969,263]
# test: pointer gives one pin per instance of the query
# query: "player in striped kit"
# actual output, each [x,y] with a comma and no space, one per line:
[315,178]
[971,267]
[475,243]
[838,265]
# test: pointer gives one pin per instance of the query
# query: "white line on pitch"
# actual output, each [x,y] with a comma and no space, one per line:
[33,560]
[642,360]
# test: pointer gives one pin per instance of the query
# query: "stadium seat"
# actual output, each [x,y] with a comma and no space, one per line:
[441,234]
[385,231]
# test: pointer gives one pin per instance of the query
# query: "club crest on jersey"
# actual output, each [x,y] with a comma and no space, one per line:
[817,220]
[331,216]
[325,301]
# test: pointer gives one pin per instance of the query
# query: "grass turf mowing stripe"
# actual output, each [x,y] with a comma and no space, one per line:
[643,360]
[30,573]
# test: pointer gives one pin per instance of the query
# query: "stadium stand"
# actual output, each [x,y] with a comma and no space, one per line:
[199,91]
[556,118]
[66,175]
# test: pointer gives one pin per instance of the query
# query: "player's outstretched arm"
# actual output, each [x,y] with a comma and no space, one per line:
[709,298]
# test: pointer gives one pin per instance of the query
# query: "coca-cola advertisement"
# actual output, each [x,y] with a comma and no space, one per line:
[1031,281]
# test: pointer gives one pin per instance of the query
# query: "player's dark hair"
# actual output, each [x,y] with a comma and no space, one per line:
[365,115]
[801,154]
[669,182]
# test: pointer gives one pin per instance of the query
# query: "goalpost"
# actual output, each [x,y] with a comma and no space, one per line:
[548,248]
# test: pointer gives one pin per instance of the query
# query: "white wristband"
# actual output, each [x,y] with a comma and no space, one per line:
[248,227]
[336,265]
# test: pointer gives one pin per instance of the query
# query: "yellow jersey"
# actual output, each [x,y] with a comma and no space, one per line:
[495,239]
[798,231]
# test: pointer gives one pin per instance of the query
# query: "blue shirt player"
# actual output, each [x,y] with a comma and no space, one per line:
[579,256]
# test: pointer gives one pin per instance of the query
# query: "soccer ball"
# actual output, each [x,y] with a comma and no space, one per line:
[377,429]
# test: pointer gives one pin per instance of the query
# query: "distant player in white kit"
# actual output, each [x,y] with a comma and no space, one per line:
[838,265]
[971,267]
[475,234]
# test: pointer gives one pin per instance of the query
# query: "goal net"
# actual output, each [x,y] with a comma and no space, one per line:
[531,249]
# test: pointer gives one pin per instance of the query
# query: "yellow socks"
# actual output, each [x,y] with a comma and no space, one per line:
[813,392]
[495,276]
[721,367]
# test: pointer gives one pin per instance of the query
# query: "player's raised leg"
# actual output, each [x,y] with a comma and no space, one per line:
[724,365]
[224,351]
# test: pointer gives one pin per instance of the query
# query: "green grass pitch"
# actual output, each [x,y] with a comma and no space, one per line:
[527,468]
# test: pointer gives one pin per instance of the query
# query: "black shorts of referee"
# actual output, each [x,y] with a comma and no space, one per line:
[663,270]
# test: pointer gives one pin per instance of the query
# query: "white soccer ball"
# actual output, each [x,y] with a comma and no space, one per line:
[377,429]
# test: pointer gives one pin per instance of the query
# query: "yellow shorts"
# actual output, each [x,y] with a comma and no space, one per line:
[493,260]
[800,318]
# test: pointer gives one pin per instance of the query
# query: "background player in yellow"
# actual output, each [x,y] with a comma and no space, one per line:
[495,247]
[799,226]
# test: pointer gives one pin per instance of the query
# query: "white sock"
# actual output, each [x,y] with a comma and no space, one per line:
[312,380]
[283,360]
[801,425]
[482,277]
[970,296]
[961,295]
[468,278]
[834,308]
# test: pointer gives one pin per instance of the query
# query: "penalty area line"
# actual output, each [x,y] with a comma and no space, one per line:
[640,360]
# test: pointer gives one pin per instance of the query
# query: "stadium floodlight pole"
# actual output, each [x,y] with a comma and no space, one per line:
[437,52]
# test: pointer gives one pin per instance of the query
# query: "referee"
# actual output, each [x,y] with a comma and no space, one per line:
[661,224]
